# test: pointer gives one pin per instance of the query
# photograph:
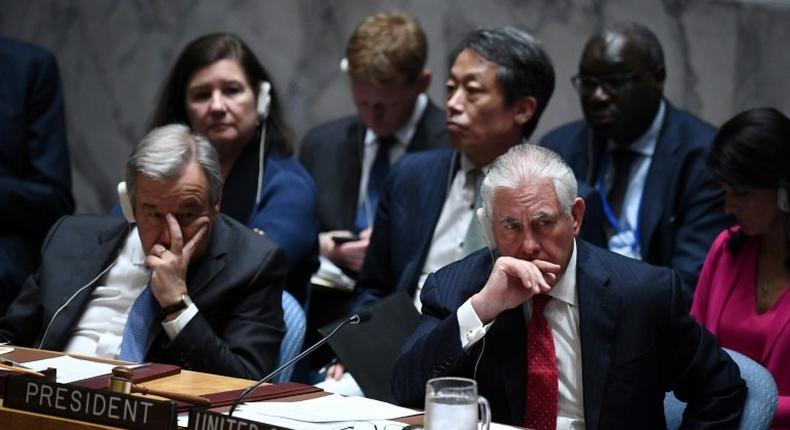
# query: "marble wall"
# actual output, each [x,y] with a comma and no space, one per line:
[722,56]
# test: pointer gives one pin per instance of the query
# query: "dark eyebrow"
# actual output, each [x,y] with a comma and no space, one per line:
[510,220]
[191,204]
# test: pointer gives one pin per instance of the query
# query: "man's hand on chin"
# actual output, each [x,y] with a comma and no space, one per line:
[511,283]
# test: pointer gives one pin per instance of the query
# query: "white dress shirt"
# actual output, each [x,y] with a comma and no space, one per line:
[625,241]
[371,148]
[99,331]
[450,231]
[562,314]
[328,271]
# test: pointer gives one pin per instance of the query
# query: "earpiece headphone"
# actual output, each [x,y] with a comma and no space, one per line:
[344,65]
[485,227]
[264,100]
[263,107]
[126,202]
[782,199]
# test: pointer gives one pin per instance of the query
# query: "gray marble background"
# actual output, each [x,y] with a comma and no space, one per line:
[722,56]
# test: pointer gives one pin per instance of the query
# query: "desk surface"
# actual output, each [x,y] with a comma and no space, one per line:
[187,382]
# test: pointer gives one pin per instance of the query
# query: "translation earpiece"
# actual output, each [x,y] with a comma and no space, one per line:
[485,227]
[126,202]
[264,106]
[782,199]
[264,100]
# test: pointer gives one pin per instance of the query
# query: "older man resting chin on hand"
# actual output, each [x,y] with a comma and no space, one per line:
[559,333]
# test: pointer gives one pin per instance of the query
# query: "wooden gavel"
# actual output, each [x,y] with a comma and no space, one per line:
[121,382]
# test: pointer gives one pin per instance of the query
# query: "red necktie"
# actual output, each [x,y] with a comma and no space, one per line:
[542,391]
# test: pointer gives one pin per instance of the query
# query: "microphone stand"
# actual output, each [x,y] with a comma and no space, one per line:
[354,319]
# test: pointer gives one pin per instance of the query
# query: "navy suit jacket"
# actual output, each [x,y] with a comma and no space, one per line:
[637,341]
[35,179]
[332,153]
[408,211]
[236,285]
[286,213]
[682,205]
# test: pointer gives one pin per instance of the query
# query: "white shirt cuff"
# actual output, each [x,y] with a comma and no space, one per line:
[174,327]
[472,329]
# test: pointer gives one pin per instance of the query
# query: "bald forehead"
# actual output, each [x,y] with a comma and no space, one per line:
[614,47]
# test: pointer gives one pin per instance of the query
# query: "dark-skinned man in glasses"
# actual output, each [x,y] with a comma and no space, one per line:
[644,156]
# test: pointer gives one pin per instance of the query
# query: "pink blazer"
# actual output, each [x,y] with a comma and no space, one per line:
[721,274]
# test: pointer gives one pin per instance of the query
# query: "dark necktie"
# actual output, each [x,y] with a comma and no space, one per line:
[378,173]
[542,389]
[138,326]
[621,159]
[473,240]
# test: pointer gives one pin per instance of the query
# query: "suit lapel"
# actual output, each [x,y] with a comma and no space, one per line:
[203,271]
[655,192]
[598,308]
[431,124]
[511,358]
[93,258]
[349,172]
[435,185]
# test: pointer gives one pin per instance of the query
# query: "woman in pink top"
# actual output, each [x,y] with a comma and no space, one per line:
[741,294]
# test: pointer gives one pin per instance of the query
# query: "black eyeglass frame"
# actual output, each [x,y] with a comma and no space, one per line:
[612,84]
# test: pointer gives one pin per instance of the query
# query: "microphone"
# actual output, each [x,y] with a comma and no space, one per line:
[357,318]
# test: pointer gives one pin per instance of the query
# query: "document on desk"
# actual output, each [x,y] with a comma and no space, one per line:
[183,421]
[72,369]
[332,408]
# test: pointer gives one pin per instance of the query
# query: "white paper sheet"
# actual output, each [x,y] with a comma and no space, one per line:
[183,421]
[339,425]
[71,369]
[330,408]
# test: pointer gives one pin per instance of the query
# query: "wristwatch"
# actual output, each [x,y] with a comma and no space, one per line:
[182,304]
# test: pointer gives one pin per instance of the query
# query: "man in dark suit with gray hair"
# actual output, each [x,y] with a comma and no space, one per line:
[559,333]
[178,283]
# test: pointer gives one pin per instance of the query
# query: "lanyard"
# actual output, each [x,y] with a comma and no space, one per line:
[607,208]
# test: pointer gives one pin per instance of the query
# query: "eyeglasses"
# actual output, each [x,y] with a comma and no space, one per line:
[612,84]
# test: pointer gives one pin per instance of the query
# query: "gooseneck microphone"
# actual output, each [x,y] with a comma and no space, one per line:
[357,318]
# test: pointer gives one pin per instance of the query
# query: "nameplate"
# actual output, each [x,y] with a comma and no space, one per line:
[88,404]
[203,419]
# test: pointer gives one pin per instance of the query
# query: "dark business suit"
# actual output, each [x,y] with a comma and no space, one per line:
[637,341]
[408,211]
[332,153]
[682,206]
[236,285]
[35,180]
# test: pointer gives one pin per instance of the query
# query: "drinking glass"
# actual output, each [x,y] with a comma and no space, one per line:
[453,403]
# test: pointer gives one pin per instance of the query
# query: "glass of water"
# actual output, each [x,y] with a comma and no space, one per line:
[453,403]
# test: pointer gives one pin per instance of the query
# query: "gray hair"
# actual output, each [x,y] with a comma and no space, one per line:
[525,164]
[164,153]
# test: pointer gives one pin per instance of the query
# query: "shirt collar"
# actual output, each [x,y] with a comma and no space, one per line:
[565,289]
[406,132]
[645,145]
[133,248]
